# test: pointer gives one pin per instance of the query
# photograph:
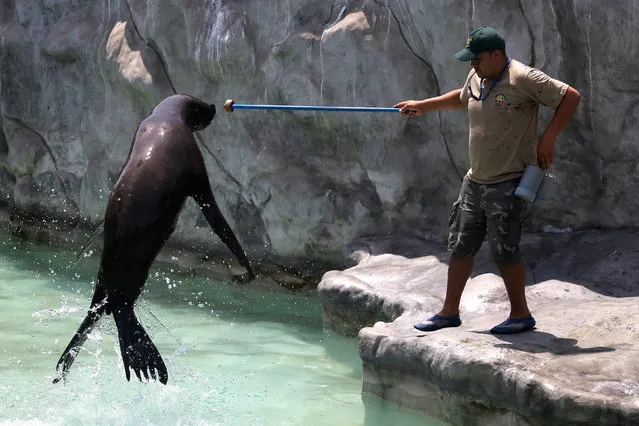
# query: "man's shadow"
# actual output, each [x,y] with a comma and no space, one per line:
[535,341]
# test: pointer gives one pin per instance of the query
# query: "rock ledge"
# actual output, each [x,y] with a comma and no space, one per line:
[579,366]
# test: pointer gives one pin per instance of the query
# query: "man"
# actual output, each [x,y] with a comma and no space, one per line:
[503,97]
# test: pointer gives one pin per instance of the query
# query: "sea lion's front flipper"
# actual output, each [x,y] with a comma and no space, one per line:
[220,226]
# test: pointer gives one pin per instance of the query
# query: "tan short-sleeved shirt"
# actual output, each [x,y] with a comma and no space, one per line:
[503,128]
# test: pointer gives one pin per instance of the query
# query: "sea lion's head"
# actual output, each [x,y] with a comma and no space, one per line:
[193,112]
[197,114]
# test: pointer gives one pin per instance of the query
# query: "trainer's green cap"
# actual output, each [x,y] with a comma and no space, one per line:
[484,39]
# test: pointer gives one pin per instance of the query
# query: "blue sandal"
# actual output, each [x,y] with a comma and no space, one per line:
[514,326]
[437,321]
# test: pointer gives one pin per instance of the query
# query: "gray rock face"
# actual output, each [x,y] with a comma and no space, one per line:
[76,78]
[579,366]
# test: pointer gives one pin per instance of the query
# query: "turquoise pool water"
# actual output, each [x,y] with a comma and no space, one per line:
[235,356]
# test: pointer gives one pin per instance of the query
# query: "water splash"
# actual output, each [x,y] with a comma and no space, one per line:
[64,310]
[259,358]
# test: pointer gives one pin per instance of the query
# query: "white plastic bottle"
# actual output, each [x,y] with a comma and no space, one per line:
[529,183]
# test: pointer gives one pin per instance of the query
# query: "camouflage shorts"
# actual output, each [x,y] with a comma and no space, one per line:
[491,211]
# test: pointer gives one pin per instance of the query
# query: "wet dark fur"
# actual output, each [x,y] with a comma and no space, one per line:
[165,167]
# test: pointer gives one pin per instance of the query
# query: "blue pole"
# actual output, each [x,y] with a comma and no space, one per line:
[229,106]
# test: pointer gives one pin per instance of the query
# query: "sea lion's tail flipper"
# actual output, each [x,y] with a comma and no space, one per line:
[221,227]
[138,351]
[98,306]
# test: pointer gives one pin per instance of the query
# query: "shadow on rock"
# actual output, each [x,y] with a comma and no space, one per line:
[603,261]
[606,262]
[540,342]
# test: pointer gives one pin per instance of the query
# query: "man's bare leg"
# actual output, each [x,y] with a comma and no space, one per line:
[459,270]
[514,276]
[520,319]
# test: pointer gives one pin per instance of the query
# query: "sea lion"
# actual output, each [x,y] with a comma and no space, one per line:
[164,167]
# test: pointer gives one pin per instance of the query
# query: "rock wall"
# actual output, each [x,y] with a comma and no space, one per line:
[77,77]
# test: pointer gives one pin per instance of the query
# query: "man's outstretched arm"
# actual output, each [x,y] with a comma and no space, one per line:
[448,100]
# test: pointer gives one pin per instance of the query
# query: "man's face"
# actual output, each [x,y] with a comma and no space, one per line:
[487,64]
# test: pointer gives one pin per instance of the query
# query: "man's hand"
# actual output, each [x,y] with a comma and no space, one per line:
[450,100]
[409,108]
[545,151]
